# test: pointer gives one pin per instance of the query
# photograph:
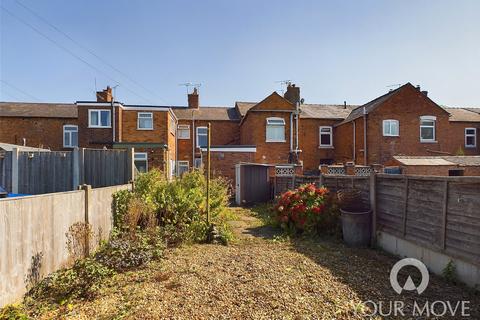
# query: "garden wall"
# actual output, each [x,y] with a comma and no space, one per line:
[33,233]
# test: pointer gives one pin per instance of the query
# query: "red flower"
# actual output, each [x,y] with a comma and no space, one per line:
[310,188]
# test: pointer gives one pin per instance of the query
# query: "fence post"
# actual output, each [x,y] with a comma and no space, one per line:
[81,166]
[88,192]
[130,164]
[75,168]
[444,215]
[373,206]
[405,206]
[15,170]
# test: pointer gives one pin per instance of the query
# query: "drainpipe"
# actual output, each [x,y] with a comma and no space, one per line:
[193,138]
[354,141]
[296,126]
[113,121]
[291,132]
[365,157]
[176,147]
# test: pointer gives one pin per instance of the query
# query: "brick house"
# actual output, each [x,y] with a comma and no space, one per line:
[39,125]
[278,130]
[404,122]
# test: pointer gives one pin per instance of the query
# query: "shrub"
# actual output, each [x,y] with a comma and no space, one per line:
[301,209]
[81,281]
[124,252]
[13,312]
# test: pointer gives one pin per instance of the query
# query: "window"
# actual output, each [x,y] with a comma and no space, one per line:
[202,136]
[470,137]
[99,118]
[183,131]
[182,167]
[198,163]
[172,125]
[275,130]
[141,161]
[427,128]
[145,121]
[390,128]
[326,137]
[70,136]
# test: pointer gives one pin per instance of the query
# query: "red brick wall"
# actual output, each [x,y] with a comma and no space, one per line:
[309,140]
[223,133]
[130,133]
[223,163]
[38,132]
[92,137]
[439,170]
[406,106]
[456,138]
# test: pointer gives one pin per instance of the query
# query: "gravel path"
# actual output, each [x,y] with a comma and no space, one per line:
[258,277]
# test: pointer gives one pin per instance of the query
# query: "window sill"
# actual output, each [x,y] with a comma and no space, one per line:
[145,129]
[281,141]
[70,147]
[428,141]
[391,136]
[470,147]
[99,127]
[326,147]
[183,138]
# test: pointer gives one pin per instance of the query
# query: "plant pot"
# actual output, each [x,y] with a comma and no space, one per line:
[356,228]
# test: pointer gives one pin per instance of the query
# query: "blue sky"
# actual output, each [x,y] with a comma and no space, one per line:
[238,50]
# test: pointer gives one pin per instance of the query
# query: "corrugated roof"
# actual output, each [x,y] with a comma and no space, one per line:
[325,111]
[38,110]
[207,113]
[463,114]
[439,160]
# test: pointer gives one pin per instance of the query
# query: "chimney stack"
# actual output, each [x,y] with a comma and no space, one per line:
[425,93]
[193,99]
[105,95]
[292,94]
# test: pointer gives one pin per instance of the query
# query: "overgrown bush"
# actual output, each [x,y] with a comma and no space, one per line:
[124,252]
[80,281]
[179,206]
[302,209]
[13,312]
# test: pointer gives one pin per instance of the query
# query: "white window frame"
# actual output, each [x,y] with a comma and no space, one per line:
[390,122]
[183,163]
[434,120]
[184,127]
[197,135]
[140,115]
[99,111]
[474,135]
[70,135]
[144,157]
[320,133]
[270,124]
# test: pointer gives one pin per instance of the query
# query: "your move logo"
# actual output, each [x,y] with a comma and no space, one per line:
[409,284]
[396,308]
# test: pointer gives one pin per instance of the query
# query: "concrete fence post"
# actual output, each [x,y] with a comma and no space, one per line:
[15,173]
[75,168]
[130,164]
[88,193]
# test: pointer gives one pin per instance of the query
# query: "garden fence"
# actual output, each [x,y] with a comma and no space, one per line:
[57,171]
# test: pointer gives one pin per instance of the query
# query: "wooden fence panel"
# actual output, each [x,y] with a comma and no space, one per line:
[105,167]
[390,205]
[6,171]
[44,172]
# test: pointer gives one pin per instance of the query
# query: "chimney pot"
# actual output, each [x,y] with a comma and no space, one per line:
[105,95]
[425,93]
[193,99]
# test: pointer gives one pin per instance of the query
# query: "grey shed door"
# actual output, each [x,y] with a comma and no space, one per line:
[254,184]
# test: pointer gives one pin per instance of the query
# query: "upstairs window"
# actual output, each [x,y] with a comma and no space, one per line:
[275,130]
[390,128]
[202,136]
[326,135]
[145,121]
[183,131]
[141,161]
[427,128]
[470,137]
[70,136]
[99,118]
